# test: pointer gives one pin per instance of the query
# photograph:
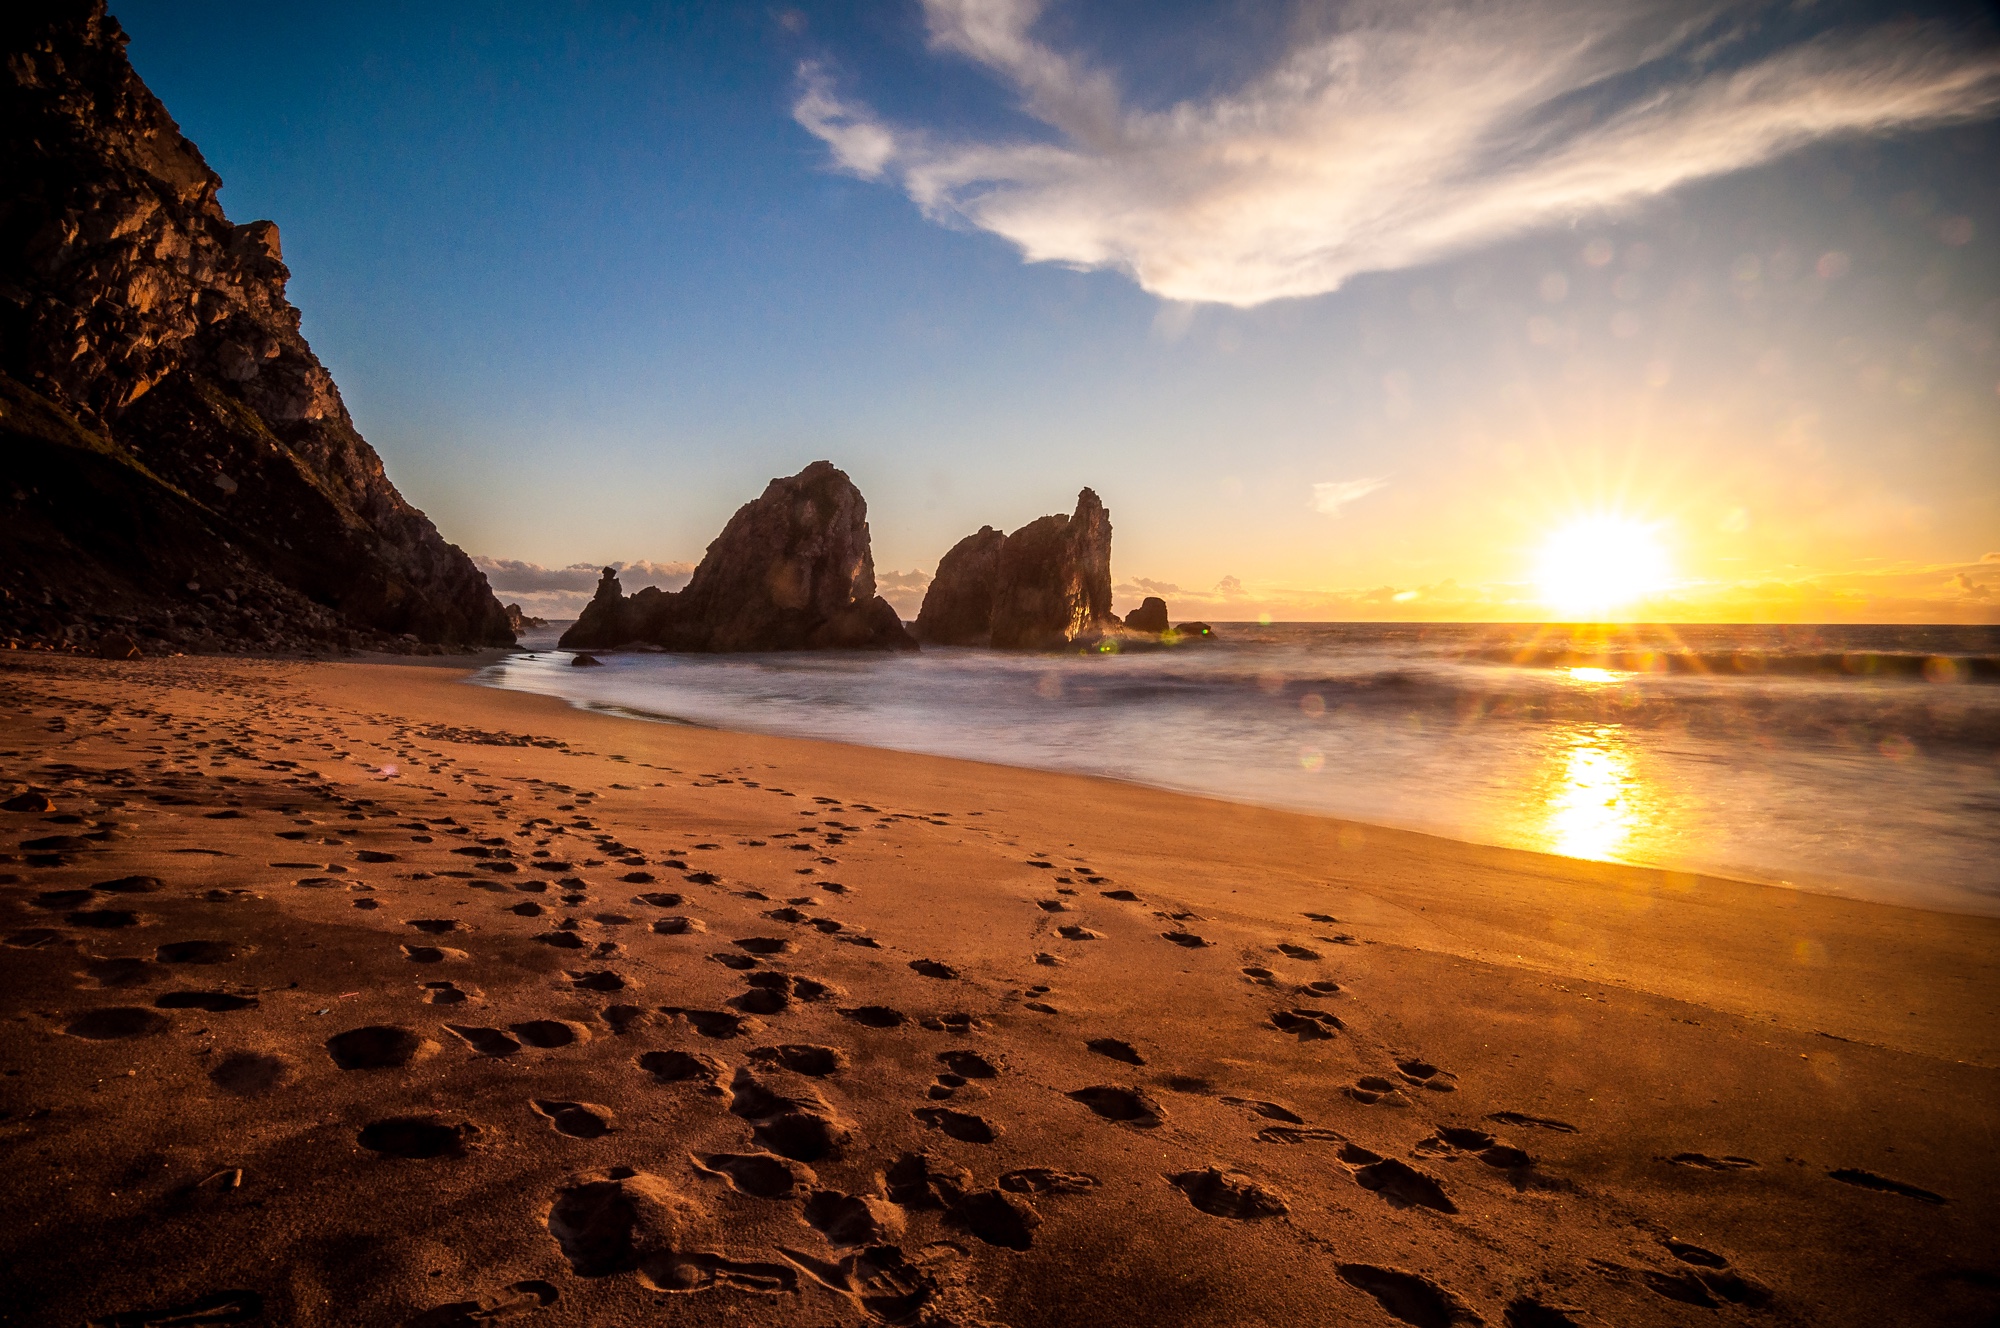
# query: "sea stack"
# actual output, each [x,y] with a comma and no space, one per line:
[1045,586]
[791,571]
[180,469]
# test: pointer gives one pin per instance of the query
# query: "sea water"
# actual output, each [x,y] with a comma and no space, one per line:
[1862,761]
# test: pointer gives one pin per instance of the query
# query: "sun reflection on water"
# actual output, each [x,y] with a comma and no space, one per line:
[1593,802]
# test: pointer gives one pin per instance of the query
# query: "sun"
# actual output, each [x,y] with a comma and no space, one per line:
[1597,565]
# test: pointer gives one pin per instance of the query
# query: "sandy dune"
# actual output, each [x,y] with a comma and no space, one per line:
[348,994]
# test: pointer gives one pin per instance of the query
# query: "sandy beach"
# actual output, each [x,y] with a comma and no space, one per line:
[347,993]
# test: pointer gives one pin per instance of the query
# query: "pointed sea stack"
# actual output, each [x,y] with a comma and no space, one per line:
[176,465]
[1045,586]
[791,571]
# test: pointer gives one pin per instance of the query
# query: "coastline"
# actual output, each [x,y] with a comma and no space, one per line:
[1655,1014]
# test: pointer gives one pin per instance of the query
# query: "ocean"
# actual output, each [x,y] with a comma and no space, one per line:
[1860,761]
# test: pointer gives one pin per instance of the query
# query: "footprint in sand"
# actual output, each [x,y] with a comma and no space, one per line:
[960,1125]
[1868,1180]
[1527,1312]
[376,1047]
[1267,1110]
[1074,933]
[718,1024]
[604,980]
[1127,1106]
[121,973]
[685,1067]
[1306,1025]
[417,1137]
[1703,1162]
[446,993]
[578,1120]
[1052,906]
[485,1041]
[931,968]
[761,1175]
[1373,1088]
[1451,1140]
[876,1016]
[548,1034]
[765,945]
[510,1302]
[996,1217]
[802,1058]
[1116,1049]
[1229,1194]
[1298,952]
[850,1221]
[1395,1180]
[678,926]
[1047,1181]
[1422,1074]
[1406,1296]
[1185,939]
[968,1065]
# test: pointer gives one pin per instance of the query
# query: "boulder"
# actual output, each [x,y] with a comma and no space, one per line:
[1195,631]
[1150,616]
[519,622]
[791,571]
[958,606]
[1053,585]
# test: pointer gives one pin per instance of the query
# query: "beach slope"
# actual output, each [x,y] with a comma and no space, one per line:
[343,993]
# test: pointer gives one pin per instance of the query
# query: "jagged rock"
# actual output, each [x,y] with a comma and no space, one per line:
[1150,616]
[958,605]
[582,661]
[1054,580]
[791,571]
[172,455]
[519,622]
[1045,586]
[1195,631]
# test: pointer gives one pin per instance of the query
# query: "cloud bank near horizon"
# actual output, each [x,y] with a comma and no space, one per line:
[1389,135]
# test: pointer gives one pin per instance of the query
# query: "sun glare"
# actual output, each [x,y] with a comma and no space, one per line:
[1595,566]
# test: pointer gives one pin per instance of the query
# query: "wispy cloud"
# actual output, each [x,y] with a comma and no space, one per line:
[1332,495]
[1392,134]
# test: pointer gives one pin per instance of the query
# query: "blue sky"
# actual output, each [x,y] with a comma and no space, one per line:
[589,274]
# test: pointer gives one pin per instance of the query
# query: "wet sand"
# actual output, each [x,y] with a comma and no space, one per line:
[574,1019]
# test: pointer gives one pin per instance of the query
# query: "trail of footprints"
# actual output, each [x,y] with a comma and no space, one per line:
[615,1219]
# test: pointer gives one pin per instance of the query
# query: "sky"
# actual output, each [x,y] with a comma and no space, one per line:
[1347,311]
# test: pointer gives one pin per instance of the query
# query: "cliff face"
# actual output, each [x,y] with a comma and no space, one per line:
[177,463]
[791,571]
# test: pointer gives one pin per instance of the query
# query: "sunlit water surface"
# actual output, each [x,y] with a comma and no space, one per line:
[1859,761]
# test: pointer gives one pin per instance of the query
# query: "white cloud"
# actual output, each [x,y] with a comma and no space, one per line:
[1391,134]
[1329,497]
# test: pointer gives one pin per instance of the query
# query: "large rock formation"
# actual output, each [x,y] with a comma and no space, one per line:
[1044,586]
[958,604]
[1150,616]
[791,571]
[175,464]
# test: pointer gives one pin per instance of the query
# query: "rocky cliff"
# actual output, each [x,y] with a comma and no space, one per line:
[1046,585]
[175,463]
[791,571]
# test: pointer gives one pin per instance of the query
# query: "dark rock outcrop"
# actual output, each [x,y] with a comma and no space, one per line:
[1150,616]
[1045,586]
[175,463]
[791,571]
[958,604]
[519,622]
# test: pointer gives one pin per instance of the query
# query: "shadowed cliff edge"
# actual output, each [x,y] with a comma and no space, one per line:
[177,469]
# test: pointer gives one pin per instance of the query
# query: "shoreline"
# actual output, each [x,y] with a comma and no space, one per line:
[1288,994]
[1929,895]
